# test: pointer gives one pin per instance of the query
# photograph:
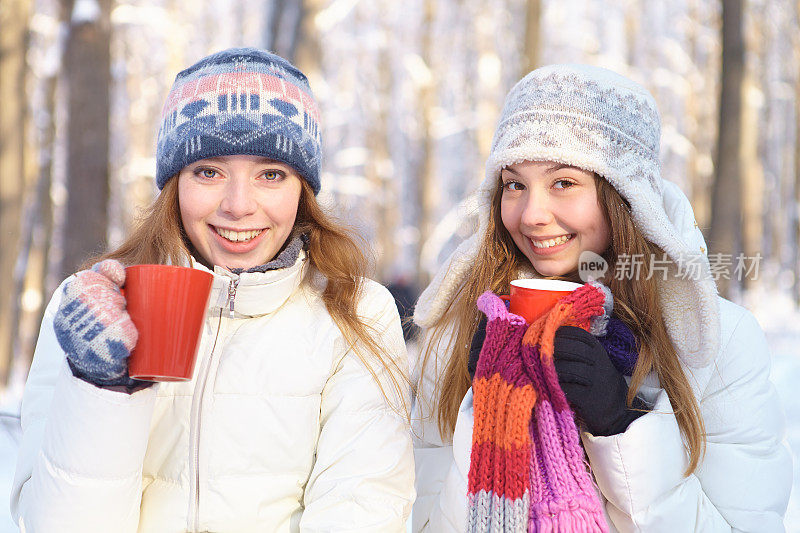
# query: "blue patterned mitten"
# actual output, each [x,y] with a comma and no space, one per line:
[94,329]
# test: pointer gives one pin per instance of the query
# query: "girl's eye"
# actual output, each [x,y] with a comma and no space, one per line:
[207,173]
[563,184]
[273,175]
[513,186]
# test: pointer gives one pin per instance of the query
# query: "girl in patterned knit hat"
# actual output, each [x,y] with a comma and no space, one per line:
[640,404]
[297,415]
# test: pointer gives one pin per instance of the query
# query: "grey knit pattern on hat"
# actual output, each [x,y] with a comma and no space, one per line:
[240,101]
[600,121]
[560,113]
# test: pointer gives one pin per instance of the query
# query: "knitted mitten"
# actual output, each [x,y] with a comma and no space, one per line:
[93,327]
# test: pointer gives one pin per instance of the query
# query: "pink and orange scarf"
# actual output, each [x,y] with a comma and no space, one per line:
[527,469]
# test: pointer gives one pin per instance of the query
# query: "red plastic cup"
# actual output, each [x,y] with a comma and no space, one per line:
[532,298]
[167,304]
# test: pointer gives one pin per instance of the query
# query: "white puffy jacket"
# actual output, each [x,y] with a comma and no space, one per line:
[282,428]
[742,484]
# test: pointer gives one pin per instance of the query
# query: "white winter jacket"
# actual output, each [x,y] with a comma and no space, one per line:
[742,484]
[282,428]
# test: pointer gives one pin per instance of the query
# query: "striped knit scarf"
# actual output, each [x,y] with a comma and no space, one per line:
[527,473]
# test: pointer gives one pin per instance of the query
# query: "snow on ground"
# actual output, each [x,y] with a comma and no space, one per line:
[9,440]
[781,323]
[775,312]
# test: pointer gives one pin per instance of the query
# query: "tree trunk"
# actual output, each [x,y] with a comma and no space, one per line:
[14,15]
[386,217]
[426,181]
[30,271]
[726,212]
[87,64]
[284,27]
[533,13]
[796,249]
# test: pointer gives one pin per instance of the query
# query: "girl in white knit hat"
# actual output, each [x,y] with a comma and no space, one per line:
[671,397]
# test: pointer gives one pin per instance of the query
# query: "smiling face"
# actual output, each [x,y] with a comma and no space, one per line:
[238,210]
[552,213]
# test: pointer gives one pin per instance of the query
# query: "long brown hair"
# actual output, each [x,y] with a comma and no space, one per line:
[636,303]
[158,237]
[335,251]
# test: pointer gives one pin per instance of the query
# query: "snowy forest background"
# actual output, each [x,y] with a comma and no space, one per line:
[410,93]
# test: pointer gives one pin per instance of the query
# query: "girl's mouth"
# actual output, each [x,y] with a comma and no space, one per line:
[551,242]
[239,242]
[237,236]
[550,246]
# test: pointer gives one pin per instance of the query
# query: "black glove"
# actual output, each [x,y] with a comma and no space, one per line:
[593,387]
[475,347]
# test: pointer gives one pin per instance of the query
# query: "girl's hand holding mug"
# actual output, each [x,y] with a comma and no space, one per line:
[595,389]
[93,327]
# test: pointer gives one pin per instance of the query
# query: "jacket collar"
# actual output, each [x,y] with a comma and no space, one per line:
[254,293]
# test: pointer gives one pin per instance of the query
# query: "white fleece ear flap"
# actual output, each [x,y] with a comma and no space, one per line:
[441,291]
[690,306]
[691,315]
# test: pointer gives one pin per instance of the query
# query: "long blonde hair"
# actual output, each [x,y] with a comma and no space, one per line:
[334,250]
[636,304]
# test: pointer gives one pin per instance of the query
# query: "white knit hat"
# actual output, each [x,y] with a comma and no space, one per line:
[600,121]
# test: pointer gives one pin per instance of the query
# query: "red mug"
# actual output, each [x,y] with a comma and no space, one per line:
[532,298]
[167,304]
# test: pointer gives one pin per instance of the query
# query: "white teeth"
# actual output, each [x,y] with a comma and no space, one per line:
[551,242]
[238,236]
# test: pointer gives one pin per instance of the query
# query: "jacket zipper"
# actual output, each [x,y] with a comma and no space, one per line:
[202,381]
[232,294]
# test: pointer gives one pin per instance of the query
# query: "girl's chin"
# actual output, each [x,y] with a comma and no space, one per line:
[232,262]
[554,268]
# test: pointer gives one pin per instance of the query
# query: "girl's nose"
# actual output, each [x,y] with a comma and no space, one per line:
[536,211]
[238,201]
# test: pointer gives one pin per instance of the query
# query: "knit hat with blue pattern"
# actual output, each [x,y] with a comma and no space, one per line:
[240,101]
